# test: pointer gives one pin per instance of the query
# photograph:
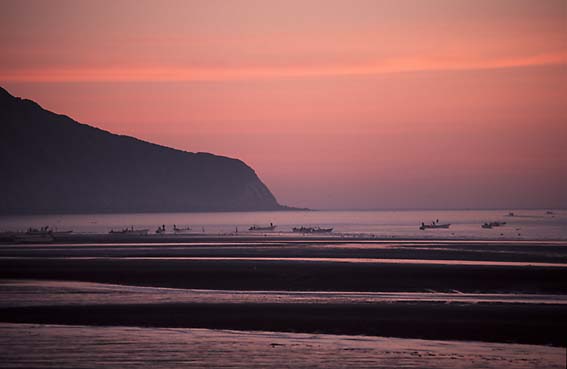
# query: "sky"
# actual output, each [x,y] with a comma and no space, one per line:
[354,104]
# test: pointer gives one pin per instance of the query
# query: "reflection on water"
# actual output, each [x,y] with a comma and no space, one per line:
[18,293]
[52,346]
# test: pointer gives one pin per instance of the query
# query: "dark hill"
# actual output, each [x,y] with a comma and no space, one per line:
[50,163]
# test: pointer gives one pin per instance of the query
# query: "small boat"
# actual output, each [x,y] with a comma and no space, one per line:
[511,214]
[130,232]
[434,225]
[322,230]
[34,235]
[39,232]
[303,229]
[176,229]
[256,228]
[489,225]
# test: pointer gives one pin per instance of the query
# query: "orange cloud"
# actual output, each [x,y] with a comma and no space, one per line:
[133,74]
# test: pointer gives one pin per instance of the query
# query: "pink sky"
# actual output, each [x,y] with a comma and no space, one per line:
[335,104]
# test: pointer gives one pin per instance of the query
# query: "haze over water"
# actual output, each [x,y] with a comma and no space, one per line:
[525,224]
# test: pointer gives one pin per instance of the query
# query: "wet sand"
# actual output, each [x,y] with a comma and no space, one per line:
[544,252]
[516,323]
[291,275]
[536,319]
[308,266]
[26,293]
[54,346]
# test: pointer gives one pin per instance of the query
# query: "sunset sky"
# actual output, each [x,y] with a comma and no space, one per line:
[335,104]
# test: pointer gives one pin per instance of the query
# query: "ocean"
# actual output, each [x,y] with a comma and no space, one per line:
[465,224]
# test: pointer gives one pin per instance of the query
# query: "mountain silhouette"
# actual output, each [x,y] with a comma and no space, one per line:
[50,163]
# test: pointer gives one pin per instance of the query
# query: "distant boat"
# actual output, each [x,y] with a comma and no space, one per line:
[43,231]
[434,225]
[510,214]
[176,229]
[303,229]
[322,230]
[32,235]
[256,228]
[130,232]
[489,225]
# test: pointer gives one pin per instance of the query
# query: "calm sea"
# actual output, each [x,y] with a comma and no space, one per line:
[524,224]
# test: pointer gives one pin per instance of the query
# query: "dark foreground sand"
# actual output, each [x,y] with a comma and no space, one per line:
[521,323]
[540,324]
[291,275]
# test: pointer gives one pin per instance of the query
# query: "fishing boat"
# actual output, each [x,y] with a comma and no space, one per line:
[434,225]
[130,232]
[322,230]
[176,229]
[312,230]
[34,235]
[489,225]
[256,228]
[303,229]
[39,232]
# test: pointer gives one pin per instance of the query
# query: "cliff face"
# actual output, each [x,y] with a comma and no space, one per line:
[50,163]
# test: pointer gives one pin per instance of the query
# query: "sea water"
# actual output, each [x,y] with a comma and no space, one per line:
[465,224]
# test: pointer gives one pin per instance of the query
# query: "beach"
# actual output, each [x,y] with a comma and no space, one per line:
[505,292]
[132,347]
